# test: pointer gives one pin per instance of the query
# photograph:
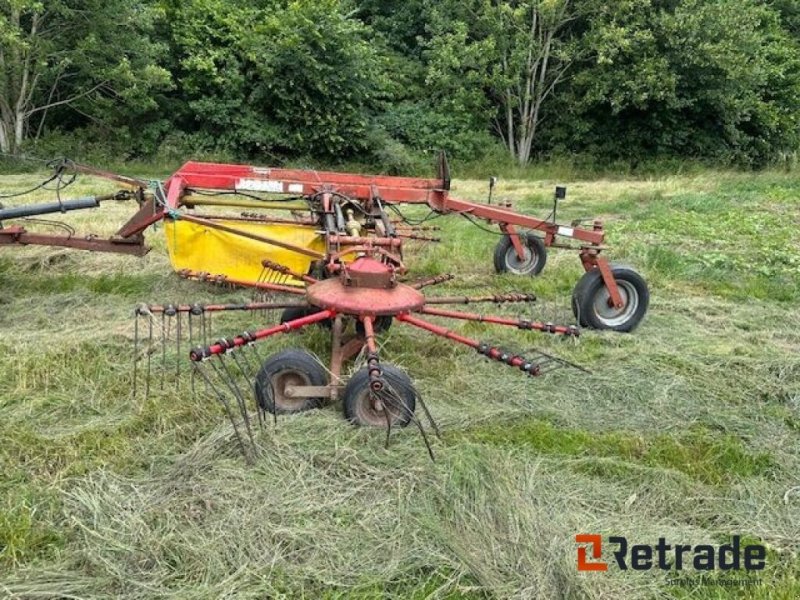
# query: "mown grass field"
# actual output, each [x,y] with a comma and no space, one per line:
[687,429]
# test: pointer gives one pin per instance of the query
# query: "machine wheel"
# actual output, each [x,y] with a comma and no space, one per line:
[507,261]
[590,300]
[298,312]
[381,324]
[360,409]
[290,367]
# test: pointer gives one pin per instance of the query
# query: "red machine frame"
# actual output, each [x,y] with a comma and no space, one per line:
[370,189]
[372,192]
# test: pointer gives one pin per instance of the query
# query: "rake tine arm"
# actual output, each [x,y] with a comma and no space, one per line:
[493,299]
[253,306]
[423,283]
[268,264]
[402,226]
[270,287]
[567,330]
[390,398]
[528,366]
[418,237]
[223,346]
[190,318]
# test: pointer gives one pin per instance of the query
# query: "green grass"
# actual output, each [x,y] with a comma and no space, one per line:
[688,428]
[701,454]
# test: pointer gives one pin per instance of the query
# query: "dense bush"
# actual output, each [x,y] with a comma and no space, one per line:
[394,82]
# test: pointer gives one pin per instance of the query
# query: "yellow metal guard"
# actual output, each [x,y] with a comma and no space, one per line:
[199,248]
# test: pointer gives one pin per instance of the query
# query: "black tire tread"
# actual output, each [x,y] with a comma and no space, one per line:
[591,282]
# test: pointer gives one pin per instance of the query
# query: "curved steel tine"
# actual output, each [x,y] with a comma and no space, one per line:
[163,347]
[226,405]
[149,355]
[135,350]
[402,406]
[239,399]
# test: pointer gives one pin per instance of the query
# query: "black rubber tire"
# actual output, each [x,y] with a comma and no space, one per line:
[590,292]
[292,366]
[506,260]
[381,324]
[355,398]
[298,312]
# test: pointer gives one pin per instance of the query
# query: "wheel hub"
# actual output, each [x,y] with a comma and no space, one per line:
[280,382]
[606,311]
[517,264]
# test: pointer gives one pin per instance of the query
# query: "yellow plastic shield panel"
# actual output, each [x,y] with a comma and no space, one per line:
[199,248]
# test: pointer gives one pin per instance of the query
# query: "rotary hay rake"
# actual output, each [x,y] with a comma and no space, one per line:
[339,256]
[365,293]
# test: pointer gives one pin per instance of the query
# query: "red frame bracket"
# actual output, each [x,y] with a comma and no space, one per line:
[19,236]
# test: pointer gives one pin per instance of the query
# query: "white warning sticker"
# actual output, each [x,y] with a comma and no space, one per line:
[566,231]
[295,188]
[259,185]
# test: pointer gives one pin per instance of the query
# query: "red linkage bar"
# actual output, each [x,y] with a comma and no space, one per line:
[148,214]
[569,330]
[17,235]
[504,216]
[223,346]
[418,238]
[131,181]
[437,330]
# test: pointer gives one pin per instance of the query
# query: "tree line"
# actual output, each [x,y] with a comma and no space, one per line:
[391,81]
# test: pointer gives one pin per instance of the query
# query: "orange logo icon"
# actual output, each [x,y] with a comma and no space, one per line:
[596,542]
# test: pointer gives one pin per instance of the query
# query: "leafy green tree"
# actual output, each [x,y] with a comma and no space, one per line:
[789,11]
[508,57]
[295,78]
[90,55]
[714,80]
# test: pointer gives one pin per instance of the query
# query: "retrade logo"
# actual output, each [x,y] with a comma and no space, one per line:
[668,557]
[596,543]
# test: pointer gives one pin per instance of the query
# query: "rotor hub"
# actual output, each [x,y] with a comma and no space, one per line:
[367,287]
